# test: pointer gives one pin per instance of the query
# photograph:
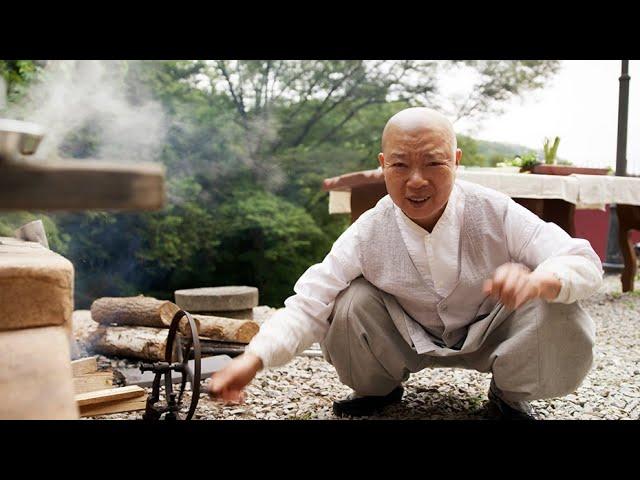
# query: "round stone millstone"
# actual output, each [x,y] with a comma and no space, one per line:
[211,299]
[245,314]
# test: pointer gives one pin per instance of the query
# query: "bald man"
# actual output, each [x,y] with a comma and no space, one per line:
[440,273]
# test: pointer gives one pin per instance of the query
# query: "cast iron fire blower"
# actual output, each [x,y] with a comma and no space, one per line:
[180,348]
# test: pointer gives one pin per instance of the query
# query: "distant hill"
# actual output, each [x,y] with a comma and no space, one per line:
[488,153]
[509,150]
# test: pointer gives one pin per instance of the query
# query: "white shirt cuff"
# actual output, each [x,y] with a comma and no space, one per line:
[562,274]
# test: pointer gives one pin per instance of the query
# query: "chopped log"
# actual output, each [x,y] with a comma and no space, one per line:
[144,343]
[118,406]
[92,382]
[109,395]
[148,343]
[83,366]
[222,329]
[141,311]
[216,299]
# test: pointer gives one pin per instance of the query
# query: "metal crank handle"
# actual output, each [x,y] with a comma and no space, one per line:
[156,367]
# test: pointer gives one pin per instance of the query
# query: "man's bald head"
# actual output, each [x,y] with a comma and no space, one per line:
[416,119]
[418,159]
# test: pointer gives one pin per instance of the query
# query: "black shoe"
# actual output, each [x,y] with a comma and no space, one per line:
[355,406]
[501,410]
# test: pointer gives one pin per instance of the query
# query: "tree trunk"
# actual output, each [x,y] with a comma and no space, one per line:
[140,311]
[223,329]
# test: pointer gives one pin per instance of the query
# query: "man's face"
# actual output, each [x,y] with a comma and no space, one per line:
[419,171]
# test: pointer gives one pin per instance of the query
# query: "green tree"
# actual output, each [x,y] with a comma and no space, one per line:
[266,242]
[17,75]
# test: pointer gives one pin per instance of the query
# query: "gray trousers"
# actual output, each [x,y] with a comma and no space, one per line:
[541,350]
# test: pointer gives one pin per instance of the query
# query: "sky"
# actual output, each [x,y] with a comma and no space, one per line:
[580,105]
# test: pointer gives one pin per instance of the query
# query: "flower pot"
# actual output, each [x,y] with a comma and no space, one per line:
[568,170]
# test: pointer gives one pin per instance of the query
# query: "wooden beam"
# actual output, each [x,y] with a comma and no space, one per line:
[82,366]
[74,185]
[109,395]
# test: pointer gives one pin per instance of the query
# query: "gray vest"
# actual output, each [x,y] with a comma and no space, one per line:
[483,248]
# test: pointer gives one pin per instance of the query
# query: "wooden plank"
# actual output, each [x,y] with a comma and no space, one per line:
[92,382]
[81,185]
[109,395]
[118,406]
[82,366]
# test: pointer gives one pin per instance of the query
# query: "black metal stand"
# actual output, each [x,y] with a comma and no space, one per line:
[613,263]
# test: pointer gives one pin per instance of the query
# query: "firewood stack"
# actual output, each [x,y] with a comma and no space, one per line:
[96,395]
[137,327]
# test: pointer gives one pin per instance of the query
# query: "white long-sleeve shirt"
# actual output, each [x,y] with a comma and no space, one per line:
[304,320]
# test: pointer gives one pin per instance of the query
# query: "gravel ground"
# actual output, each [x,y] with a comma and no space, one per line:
[306,387]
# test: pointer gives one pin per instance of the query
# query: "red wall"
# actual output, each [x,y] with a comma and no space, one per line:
[593,225]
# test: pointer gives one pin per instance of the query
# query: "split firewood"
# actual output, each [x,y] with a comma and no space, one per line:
[141,311]
[119,406]
[222,329]
[115,400]
[109,395]
[91,382]
[83,366]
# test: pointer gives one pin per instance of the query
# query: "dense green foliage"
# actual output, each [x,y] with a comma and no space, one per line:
[247,146]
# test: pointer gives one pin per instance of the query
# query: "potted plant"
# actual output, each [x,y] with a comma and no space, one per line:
[550,166]
[528,162]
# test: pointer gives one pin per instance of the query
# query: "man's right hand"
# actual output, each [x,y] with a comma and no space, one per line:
[228,384]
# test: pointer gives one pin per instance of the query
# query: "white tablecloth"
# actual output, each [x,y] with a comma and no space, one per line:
[585,191]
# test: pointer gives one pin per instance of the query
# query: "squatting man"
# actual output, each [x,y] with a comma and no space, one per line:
[440,273]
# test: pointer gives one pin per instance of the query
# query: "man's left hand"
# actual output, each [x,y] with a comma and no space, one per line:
[514,285]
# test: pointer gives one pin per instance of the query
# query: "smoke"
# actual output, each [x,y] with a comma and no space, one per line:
[90,100]
[262,132]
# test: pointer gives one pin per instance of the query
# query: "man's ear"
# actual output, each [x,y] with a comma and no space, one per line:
[458,156]
[381,159]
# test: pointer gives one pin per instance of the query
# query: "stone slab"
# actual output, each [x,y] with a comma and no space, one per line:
[36,286]
[36,378]
[213,299]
